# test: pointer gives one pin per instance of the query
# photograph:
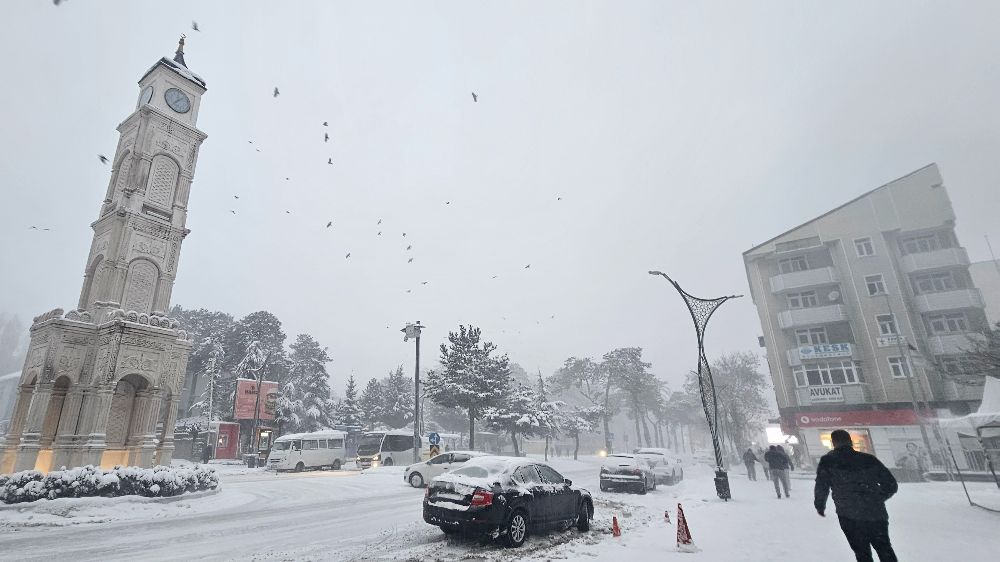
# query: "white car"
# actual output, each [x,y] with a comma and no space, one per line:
[418,475]
[627,472]
[666,465]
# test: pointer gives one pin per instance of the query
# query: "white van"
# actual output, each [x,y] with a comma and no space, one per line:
[298,451]
[387,448]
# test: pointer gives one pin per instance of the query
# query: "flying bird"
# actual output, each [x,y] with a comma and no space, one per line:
[325,124]
[409,260]
[558,198]
[447,202]
[326,137]
[258,150]
[250,141]
[329,224]
[276,92]
[404,235]
[348,255]
[288,212]
[409,291]
[232,211]
[423,282]
[494,277]
[236,196]
[527,266]
[380,233]
[329,161]
[475,98]
[380,221]
[410,247]
[194,26]
[102,158]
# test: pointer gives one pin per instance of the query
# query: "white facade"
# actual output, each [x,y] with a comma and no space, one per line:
[100,384]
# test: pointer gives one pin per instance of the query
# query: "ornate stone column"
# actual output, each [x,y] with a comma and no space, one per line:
[27,450]
[147,445]
[94,424]
[136,432]
[66,439]
[8,454]
[165,450]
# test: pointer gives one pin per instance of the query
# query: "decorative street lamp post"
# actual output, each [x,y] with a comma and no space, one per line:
[413,331]
[701,310]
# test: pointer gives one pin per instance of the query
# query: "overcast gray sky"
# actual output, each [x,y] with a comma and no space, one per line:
[677,134]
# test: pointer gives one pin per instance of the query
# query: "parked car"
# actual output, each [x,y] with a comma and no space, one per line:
[418,475]
[665,464]
[299,451]
[630,472]
[506,497]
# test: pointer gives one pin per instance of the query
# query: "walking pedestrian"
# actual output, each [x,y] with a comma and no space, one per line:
[861,485]
[206,454]
[763,463]
[750,460]
[779,464]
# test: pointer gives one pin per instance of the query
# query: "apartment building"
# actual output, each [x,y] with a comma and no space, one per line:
[857,304]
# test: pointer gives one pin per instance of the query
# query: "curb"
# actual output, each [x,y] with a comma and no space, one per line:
[20,507]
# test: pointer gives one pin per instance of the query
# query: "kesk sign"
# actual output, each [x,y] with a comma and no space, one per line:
[824,351]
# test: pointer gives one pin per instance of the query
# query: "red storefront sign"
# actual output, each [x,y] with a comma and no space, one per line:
[246,398]
[855,418]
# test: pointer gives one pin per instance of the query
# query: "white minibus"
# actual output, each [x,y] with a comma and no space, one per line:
[299,451]
[387,448]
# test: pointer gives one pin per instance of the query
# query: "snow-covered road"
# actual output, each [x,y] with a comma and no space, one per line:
[349,515]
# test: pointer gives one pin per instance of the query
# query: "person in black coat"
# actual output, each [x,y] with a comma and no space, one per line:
[779,465]
[861,484]
[750,460]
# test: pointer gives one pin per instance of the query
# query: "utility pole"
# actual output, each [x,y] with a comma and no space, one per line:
[413,331]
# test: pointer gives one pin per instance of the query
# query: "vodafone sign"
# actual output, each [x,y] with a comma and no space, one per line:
[855,418]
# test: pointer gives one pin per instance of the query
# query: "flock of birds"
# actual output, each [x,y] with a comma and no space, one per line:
[276,92]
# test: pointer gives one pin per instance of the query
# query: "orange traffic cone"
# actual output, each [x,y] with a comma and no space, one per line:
[684,542]
[666,515]
[615,529]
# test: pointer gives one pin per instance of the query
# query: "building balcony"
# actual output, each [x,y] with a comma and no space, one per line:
[946,257]
[842,394]
[948,300]
[954,344]
[799,279]
[799,317]
[821,353]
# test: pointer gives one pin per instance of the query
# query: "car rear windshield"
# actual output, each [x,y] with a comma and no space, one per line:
[480,471]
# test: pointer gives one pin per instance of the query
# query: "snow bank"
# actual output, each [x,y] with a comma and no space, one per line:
[88,481]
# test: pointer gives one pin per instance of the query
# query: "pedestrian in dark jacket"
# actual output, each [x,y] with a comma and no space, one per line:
[750,460]
[778,464]
[861,484]
[206,453]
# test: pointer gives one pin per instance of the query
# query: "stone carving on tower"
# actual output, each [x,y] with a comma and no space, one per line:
[101,383]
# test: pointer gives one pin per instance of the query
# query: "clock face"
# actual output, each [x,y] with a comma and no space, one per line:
[146,96]
[177,100]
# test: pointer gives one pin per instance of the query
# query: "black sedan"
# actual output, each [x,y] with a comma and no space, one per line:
[506,497]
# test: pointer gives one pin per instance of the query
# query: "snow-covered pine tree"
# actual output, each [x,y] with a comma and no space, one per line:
[469,376]
[517,415]
[349,411]
[397,400]
[371,404]
[305,403]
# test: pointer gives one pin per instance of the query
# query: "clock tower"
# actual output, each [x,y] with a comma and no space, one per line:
[101,383]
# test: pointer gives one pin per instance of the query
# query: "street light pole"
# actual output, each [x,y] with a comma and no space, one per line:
[413,331]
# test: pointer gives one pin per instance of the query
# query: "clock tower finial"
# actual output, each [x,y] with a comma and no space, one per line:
[179,54]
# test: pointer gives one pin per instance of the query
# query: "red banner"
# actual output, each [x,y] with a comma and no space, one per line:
[246,397]
[855,418]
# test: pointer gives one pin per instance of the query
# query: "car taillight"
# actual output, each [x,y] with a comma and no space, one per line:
[482,498]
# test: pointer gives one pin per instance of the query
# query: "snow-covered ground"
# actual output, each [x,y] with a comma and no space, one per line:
[374,515]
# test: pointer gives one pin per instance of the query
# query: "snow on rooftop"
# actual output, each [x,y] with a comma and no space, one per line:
[179,69]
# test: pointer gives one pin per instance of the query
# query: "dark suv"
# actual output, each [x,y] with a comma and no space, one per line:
[506,497]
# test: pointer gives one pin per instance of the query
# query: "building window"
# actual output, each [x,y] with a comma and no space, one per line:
[948,322]
[811,336]
[828,373]
[791,265]
[875,284]
[864,247]
[935,282]
[899,367]
[887,325]
[806,299]
[920,244]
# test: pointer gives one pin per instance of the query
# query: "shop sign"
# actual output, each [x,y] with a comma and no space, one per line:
[889,341]
[856,418]
[819,394]
[246,399]
[807,352]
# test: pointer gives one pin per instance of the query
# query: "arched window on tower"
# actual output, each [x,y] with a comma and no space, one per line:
[162,185]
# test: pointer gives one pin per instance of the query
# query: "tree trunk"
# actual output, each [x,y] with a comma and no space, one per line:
[513,439]
[607,435]
[546,447]
[638,435]
[472,428]
[576,450]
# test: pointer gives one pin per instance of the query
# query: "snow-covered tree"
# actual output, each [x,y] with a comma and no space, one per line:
[516,415]
[470,376]
[593,383]
[371,404]
[13,343]
[397,400]
[629,373]
[348,410]
[305,403]
[205,406]
[578,421]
